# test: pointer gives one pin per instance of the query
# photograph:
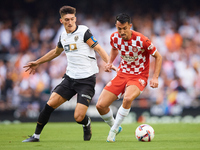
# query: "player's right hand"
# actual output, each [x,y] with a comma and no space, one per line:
[31,67]
[108,67]
[114,68]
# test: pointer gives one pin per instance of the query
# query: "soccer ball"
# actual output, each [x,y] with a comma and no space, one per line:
[144,133]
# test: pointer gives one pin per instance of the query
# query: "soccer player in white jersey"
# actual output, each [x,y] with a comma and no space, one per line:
[79,44]
[133,71]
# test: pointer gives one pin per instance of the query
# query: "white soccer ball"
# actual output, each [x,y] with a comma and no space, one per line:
[144,133]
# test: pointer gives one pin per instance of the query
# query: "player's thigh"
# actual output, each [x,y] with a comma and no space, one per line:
[64,88]
[132,92]
[85,89]
[134,88]
[106,99]
[112,91]
[55,100]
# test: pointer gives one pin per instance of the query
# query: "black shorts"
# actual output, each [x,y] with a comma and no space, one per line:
[84,88]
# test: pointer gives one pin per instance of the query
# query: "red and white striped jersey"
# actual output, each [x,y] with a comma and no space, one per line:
[134,53]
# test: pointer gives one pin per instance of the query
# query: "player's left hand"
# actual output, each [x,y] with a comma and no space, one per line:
[154,82]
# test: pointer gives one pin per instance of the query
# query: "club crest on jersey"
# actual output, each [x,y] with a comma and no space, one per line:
[76,38]
[135,49]
[142,82]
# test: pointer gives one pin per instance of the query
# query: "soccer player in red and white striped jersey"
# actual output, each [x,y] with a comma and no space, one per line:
[133,72]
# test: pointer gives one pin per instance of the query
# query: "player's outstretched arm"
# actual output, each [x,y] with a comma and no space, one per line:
[102,53]
[106,58]
[113,54]
[31,66]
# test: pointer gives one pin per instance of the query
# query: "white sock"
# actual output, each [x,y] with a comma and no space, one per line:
[108,118]
[37,136]
[121,114]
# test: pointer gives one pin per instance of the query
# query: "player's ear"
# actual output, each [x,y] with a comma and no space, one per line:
[61,20]
[130,25]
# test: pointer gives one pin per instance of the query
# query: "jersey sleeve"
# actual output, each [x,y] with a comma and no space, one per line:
[112,40]
[59,45]
[151,49]
[87,36]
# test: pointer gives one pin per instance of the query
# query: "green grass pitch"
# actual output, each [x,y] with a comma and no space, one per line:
[69,136]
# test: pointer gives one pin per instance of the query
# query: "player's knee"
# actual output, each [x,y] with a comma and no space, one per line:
[99,107]
[79,117]
[127,100]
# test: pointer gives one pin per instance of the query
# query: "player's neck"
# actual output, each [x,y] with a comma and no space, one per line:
[72,30]
[130,36]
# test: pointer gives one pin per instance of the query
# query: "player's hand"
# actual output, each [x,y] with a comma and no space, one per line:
[31,67]
[108,67]
[154,82]
[114,68]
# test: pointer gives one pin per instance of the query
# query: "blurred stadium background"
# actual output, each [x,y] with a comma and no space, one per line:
[30,28]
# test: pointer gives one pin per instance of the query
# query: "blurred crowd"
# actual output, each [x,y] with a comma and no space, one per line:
[23,38]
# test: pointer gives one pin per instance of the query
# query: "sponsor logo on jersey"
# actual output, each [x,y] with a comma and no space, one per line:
[70,47]
[129,58]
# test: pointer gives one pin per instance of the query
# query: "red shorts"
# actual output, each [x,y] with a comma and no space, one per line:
[122,80]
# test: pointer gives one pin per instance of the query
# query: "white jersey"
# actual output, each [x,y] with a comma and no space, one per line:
[81,58]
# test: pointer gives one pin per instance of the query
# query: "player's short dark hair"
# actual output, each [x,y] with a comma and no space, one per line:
[67,10]
[123,18]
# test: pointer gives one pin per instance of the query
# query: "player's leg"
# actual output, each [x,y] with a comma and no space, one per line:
[135,86]
[81,118]
[130,94]
[80,114]
[110,93]
[105,100]
[85,90]
[55,101]
[61,93]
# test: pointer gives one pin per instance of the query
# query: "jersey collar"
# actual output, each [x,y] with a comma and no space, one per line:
[73,31]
